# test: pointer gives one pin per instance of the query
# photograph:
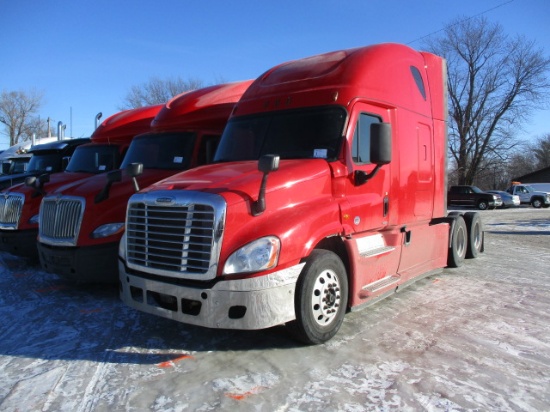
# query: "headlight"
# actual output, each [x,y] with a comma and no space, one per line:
[122,246]
[262,254]
[107,230]
[34,220]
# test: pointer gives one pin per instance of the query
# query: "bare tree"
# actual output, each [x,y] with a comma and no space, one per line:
[17,112]
[494,83]
[157,91]
[541,150]
[521,163]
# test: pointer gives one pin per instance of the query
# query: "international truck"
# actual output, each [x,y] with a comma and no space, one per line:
[22,148]
[20,204]
[46,158]
[81,224]
[15,164]
[15,159]
[328,193]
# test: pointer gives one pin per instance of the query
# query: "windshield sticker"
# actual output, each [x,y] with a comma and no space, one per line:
[48,169]
[102,167]
[178,159]
[320,153]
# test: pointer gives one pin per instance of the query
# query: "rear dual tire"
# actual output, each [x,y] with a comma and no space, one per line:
[459,243]
[475,234]
[466,238]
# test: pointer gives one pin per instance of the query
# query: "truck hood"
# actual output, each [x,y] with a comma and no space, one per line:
[33,198]
[240,181]
[11,180]
[110,210]
[91,186]
[56,180]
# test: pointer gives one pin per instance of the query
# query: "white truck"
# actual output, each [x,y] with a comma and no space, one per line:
[528,195]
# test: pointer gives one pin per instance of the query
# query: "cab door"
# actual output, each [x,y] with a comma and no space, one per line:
[368,210]
[368,203]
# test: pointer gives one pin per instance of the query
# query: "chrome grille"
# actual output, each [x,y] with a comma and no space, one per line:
[178,239]
[11,207]
[60,220]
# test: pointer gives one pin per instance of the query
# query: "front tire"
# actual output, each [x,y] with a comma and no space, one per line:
[536,203]
[482,205]
[321,298]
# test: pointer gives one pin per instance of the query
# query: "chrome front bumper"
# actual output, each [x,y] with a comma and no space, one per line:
[254,303]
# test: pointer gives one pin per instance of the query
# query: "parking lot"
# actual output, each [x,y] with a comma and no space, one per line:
[472,338]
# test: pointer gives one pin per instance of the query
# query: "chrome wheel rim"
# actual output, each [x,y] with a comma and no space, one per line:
[325,298]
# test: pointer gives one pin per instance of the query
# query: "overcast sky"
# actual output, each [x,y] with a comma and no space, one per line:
[86,55]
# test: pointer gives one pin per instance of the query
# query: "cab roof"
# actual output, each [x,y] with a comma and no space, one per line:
[209,107]
[382,73]
[58,145]
[123,126]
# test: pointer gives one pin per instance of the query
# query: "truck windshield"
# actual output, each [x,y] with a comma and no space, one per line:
[41,162]
[95,158]
[293,134]
[161,151]
[14,166]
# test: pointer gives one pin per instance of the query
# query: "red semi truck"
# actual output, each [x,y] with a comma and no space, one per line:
[20,204]
[81,224]
[327,194]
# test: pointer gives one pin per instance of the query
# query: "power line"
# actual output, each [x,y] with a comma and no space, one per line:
[461,21]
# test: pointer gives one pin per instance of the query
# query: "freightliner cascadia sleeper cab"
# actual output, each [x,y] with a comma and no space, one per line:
[327,193]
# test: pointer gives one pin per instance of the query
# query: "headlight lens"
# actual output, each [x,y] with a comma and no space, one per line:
[122,246]
[107,230]
[262,254]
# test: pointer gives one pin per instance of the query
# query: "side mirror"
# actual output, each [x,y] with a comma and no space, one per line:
[266,164]
[380,151]
[380,143]
[45,178]
[134,170]
[30,181]
[112,177]
[37,183]
[65,162]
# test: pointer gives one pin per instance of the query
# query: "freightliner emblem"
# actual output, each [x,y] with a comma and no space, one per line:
[164,200]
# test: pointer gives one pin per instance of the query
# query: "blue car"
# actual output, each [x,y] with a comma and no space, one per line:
[508,200]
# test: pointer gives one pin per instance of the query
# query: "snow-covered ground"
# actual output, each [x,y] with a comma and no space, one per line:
[473,338]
